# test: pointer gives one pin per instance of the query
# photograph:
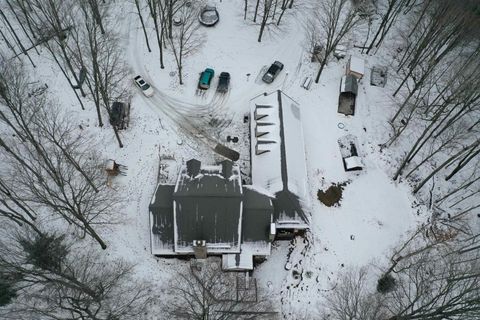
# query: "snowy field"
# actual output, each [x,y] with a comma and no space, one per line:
[374,212]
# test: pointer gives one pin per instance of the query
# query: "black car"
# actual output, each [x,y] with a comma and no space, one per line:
[272,72]
[223,82]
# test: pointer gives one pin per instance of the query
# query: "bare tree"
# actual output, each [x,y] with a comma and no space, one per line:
[50,165]
[142,21]
[209,293]
[158,16]
[352,298]
[99,54]
[185,38]
[427,281]
[49,23]
[436,284]
[329,23]
[389,12]
[447,27]
[267,8]
[54,280]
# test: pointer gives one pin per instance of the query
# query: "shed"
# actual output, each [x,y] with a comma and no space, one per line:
[348,149]
[348,94]
[356,67]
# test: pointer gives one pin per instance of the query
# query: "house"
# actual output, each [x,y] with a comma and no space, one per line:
[209,212]
[278,159]
[356,67]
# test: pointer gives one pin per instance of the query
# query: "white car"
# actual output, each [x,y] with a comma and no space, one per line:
[144,86]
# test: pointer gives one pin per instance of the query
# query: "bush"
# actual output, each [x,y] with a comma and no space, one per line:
[45,252]
[333,195]
[7,293]
[386,283]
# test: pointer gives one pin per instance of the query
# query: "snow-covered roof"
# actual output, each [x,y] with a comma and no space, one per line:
[357,65]
[279,129]
[208,203]
[237,262]
[348,83]
[278,155]
[354,162]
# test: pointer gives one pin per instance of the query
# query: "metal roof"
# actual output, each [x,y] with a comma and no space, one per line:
[208,206]
[161,217]
[257,215]
[349,84]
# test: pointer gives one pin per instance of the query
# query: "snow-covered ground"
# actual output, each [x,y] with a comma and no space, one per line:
[374,211]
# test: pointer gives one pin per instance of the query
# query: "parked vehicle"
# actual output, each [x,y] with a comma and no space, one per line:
[144,86]
[223,82]
[272,72]
[205,78]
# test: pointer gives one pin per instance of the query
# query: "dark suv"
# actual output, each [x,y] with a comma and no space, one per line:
[272,72]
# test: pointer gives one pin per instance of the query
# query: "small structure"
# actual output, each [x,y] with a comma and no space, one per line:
[120,115]
[356,67]
[378,76]
[348,150]
[112,168]
[209,16]
[340,52]
[307,83]
[348,94]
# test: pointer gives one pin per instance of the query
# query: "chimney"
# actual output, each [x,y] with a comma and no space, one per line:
[200,249]
[193,167]
[227,169]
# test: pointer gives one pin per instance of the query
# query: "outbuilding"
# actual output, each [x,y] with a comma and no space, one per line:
[356,67]
[348,94]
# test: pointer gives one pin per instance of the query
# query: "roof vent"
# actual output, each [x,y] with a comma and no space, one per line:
[227,169]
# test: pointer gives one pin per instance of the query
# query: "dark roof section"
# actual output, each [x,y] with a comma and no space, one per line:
[193,167]
[208,208]
[257,216]
[226,152]
[227,169]
[286,202]
[162,214]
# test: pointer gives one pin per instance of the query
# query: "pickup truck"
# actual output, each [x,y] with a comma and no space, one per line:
[223,82]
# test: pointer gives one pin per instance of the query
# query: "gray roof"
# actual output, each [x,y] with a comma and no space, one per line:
[349,84]
[208,207]
[286,203]
[161,209]
[257,216]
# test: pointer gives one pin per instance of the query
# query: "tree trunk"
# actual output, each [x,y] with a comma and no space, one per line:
[143,25]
